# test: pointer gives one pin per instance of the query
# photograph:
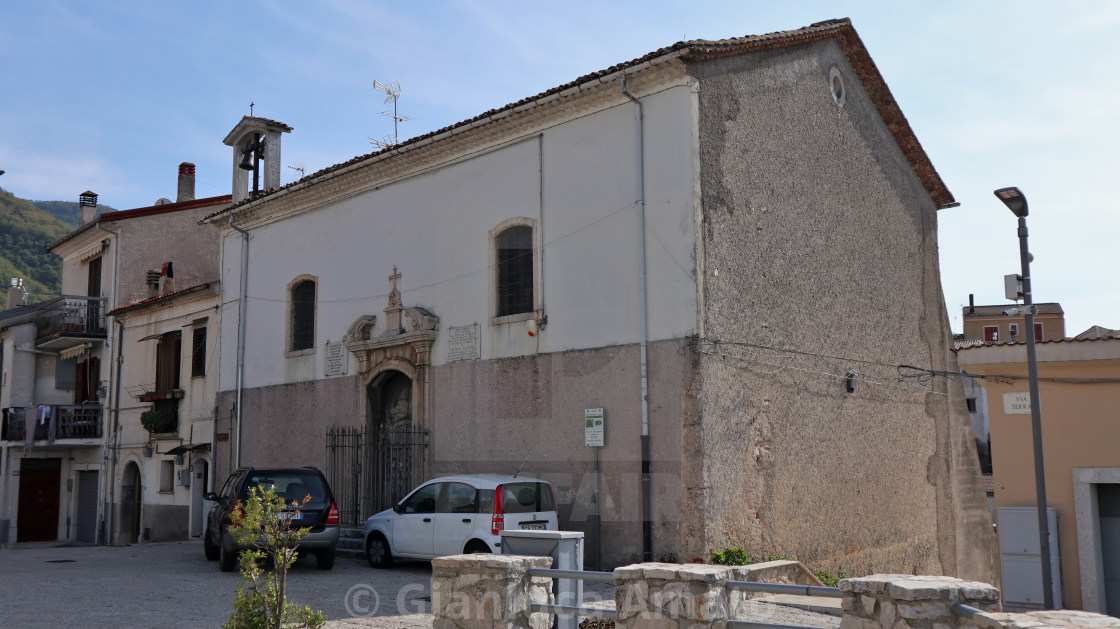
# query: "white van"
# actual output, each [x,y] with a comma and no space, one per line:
[459,514]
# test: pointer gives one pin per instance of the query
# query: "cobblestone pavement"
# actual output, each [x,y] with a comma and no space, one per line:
[172,585]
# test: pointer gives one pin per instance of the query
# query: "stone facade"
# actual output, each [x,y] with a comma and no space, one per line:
[487,591]
[472,592]
[902,601]
[677,596]
[819,265]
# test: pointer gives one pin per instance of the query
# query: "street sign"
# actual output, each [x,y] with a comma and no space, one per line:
[594,430]
[1017,403]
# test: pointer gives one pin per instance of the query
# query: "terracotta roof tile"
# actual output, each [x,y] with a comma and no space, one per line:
[997,311]
[972,343]
[165,296]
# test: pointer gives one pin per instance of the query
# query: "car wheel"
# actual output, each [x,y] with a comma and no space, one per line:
[477,547]
[208,547]
[227,559]
[325,559]
[377,551]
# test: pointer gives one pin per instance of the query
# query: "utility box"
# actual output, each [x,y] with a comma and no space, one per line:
[566,550]
[1020,557]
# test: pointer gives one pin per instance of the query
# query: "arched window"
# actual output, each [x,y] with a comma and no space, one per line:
[514,281]
[302,295]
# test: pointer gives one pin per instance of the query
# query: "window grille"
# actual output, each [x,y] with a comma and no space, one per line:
[515,271]
[303,315]
[198,353]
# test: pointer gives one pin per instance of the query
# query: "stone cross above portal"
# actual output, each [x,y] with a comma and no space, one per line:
[394,294]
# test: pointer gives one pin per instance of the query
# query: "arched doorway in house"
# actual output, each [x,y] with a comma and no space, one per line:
[200,481]
[130,504]
[396,444]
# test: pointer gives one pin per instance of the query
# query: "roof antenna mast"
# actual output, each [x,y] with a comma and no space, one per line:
[251,103]
[392,92]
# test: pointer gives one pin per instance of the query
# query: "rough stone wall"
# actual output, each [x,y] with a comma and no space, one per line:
[149,241]
[818,242]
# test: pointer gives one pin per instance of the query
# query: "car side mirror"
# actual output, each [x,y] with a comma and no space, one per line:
[211,496]
[399,508]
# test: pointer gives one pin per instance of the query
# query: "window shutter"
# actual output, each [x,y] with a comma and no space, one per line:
[65,373]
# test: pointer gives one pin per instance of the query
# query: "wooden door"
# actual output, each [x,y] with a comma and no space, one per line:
[39,482]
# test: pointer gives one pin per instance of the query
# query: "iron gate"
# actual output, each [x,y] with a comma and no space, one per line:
[370,471]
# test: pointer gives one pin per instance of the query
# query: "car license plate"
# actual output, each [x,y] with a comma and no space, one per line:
[289,516]
[534,526]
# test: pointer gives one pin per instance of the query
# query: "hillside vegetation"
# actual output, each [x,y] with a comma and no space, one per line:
[24,232]
[66,211]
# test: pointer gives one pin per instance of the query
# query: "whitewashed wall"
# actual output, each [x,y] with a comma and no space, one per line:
[434,228]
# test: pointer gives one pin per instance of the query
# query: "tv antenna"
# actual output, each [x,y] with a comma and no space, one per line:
[392,92]
[298,167]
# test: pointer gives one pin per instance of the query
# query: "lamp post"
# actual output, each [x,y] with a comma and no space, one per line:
[1015,201]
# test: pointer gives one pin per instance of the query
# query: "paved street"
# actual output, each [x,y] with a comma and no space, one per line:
[172,585]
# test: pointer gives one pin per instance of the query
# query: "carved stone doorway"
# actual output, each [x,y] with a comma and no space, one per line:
[397,447]
[394,361]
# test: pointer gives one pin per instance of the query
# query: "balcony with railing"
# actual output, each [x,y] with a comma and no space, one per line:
[69,422]
[70,321]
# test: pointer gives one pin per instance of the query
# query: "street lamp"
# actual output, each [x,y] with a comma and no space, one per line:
[1015,201]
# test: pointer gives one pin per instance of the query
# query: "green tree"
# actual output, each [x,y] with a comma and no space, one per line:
[261,601]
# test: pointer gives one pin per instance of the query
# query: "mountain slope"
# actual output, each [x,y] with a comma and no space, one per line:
[66,211]
[24,232]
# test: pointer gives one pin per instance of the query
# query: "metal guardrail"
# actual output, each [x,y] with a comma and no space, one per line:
[577,610]
[740,586]
[72,421]
[964,611]
[777,588]
[783,588]
[582,575]
[589,612]
[750,624]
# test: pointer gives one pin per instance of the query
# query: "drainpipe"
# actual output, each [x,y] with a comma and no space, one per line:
[647,519]
[112,450]
[109,520]
[241,306]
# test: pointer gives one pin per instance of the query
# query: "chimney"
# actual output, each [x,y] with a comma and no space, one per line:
[186,183]
[971,303]
[17,294]
[87,208]
[152,279]
[167,279]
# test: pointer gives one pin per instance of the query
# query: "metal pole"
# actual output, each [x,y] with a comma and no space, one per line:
[598,518]
[647,478]
[1036,421]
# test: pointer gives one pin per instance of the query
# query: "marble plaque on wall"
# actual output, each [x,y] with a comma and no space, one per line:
[464,342]
[335,359]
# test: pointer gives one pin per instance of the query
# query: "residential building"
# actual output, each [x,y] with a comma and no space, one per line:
[167,431]
[724,246]
[62,480]
[1079,394]
[990,324]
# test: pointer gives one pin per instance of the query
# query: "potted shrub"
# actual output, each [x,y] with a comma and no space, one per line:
[157,420]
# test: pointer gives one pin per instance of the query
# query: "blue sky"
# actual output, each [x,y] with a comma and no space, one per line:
[112,96]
